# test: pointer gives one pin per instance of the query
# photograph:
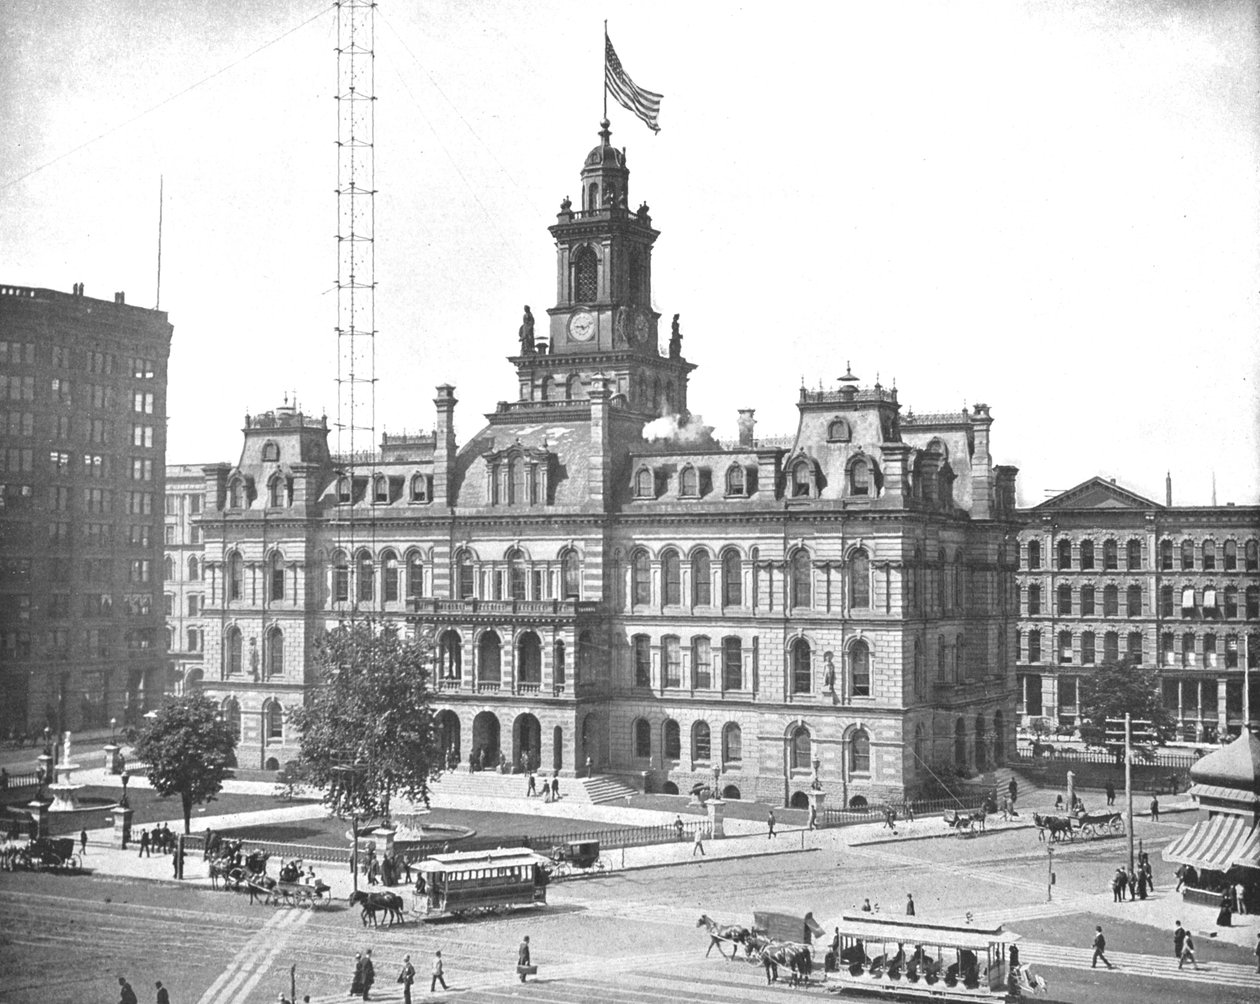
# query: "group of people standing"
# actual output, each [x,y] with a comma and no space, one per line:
[1137,881]
[365,972]
[550,789]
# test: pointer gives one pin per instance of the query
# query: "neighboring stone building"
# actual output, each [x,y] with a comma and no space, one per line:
[182,576]
[648,598]
[82,463]
[1105,573]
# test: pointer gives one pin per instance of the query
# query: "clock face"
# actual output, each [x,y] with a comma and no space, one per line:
[581,326]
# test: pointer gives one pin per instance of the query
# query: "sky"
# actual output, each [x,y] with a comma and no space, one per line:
[1052,208]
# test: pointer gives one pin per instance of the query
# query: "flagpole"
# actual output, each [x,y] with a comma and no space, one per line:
[605,68]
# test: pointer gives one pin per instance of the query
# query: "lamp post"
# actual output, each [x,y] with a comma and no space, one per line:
[113,724]
[126,776]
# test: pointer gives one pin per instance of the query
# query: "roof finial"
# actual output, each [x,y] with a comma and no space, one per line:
[848,374]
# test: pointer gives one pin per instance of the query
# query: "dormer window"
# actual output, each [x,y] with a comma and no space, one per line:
[802,480]
[380,488]
[275,492]
[689,482]
[838,431]
[345,493]
[860,478]
[236,494]
[271,452]
[644,483]
[736,481]
[421,488]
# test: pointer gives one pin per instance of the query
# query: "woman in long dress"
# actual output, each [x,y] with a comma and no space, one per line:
[1225,917]
[356,985]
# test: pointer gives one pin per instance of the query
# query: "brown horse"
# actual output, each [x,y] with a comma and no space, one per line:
[719,933]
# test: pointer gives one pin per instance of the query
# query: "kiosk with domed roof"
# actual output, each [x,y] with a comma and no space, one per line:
[1222,850]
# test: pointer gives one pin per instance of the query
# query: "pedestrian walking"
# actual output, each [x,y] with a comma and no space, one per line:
[125,994]
[555,786]
[890,819]
[1111,793]
[145,844]
[369,973]
[407,976]
[1154,808]
[1100,946]
[532,789]
[813,816]
[866,905]
[698,843]
[83,841]
[522,958]
[909,904]
[678,826]
[770,825]
[438,977]
[356,984]
[1179,938]
[1012,789]
[1187,952]
[162,996]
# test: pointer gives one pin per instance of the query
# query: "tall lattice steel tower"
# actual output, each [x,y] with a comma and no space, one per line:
[356,250]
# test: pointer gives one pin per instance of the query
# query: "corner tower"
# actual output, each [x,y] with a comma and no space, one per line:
[603,322]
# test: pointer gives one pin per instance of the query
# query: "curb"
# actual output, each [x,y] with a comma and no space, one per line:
[691,861]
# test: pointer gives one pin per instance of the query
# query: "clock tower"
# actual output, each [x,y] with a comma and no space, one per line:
[603,321]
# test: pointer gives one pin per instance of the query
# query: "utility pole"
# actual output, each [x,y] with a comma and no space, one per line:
[1049,872]
[1128,782]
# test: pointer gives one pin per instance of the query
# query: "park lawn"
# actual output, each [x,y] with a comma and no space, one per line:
[329,831]
[149,807]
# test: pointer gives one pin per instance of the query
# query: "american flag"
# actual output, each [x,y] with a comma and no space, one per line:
[645,104]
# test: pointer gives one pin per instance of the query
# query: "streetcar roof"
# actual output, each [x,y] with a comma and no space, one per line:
[459,861]
[890,929]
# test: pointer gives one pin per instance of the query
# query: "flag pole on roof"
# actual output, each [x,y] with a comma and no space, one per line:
[644,103]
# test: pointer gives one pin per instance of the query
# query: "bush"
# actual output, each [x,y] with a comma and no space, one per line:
[292,776]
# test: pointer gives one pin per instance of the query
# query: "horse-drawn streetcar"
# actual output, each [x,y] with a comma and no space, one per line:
[481,881]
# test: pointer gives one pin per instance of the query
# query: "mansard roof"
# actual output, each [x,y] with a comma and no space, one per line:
[569,443]
[1096,493]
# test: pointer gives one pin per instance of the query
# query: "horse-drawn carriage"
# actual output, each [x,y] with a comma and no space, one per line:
[1085,824]
[776,940]
[575,856]
[966,823]
[49,854]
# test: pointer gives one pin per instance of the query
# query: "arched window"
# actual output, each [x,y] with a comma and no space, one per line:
[640,579]
[860,752]
[920,673]
[860,669]
[732,663]
[1034,599]
[275,492]
[571,575]
[168,569]
[838,431]
[802,479]
[860,478]
[194,569]
[345,491]
[802,667]
[236,494]
[518,575]
[1187,555]
[1133,555]
[689,482]
[341,577]
[236,576]
[1087,555]
[1087,601]
[1231,555]
[420,488]
[592,197]
[1064,605]
[1209,555]
[800,749]
[1088,656]
[1065,646]
[449,656]
[465,575]
[529,658]
[275,652]
[701,663]
[641,651]
[586,270]
[1251,556]
[1111,647]
[1065,553]
[859,580]
[736,481]
[273,722]
[1231,602]
[671,740]
[700,742]
[671,655]
[490,658]
[802,579]
[270,452]
[380,488]
[701,579]
[276,569]
[1111,601]
[642,738]
[1133,601]
[558,663]
[1253,603]
[732,578]
[1133,649]
[732,743]
[644,484]
[574,390]
[232,716]
[1034,554]
[671,577]
[1111,559]
[366,577]
[233,647]
[1034,646]
[920,747]
[389,574]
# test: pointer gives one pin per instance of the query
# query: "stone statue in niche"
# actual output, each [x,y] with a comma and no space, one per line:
[253,657]
[829,673]
[675,339]
[527,332]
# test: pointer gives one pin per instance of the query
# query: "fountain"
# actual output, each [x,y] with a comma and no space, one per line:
[63,789]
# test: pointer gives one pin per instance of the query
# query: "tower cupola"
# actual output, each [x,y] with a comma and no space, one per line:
[605,177]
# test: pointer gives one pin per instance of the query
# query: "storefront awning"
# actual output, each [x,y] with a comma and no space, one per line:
[1212,844]
[1248,855]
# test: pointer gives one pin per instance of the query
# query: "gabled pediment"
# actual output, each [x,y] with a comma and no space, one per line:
[1097,493]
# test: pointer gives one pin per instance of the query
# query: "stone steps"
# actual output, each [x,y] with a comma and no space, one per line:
[603,789]
[491,784]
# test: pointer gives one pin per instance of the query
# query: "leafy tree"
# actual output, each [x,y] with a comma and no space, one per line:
[368,731]
[1115,688]
[188,749]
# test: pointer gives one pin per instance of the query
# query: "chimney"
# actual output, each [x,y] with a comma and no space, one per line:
[746,423]
[1168,489]
[983,503]
[444,450]
[120,297]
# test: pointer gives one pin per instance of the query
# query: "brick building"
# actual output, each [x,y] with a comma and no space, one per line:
[184,594]
[1105,573]
[82,463]
[603,579]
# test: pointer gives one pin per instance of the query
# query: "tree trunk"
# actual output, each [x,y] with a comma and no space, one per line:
[186,799]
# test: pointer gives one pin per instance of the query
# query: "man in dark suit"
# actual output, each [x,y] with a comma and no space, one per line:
[162,996]
[522,957]
[1179,939]
[125,994]
[406,977]
[369,973]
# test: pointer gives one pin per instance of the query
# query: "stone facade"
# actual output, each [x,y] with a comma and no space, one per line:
[602,579]
[82,463]
[182,576]
[1106,573]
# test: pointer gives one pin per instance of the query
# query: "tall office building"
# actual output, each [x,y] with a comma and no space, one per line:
[82,466]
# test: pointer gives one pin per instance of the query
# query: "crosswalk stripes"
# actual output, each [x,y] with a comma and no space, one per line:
[247,967]
[1157,966]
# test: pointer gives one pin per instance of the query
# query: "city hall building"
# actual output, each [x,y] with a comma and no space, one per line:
[666,606]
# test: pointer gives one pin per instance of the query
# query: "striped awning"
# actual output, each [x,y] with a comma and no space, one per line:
[1211,844]
[1248,855]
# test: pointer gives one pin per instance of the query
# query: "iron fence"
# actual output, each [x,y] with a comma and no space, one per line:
[875,812]
[1175,761]
[196,844]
